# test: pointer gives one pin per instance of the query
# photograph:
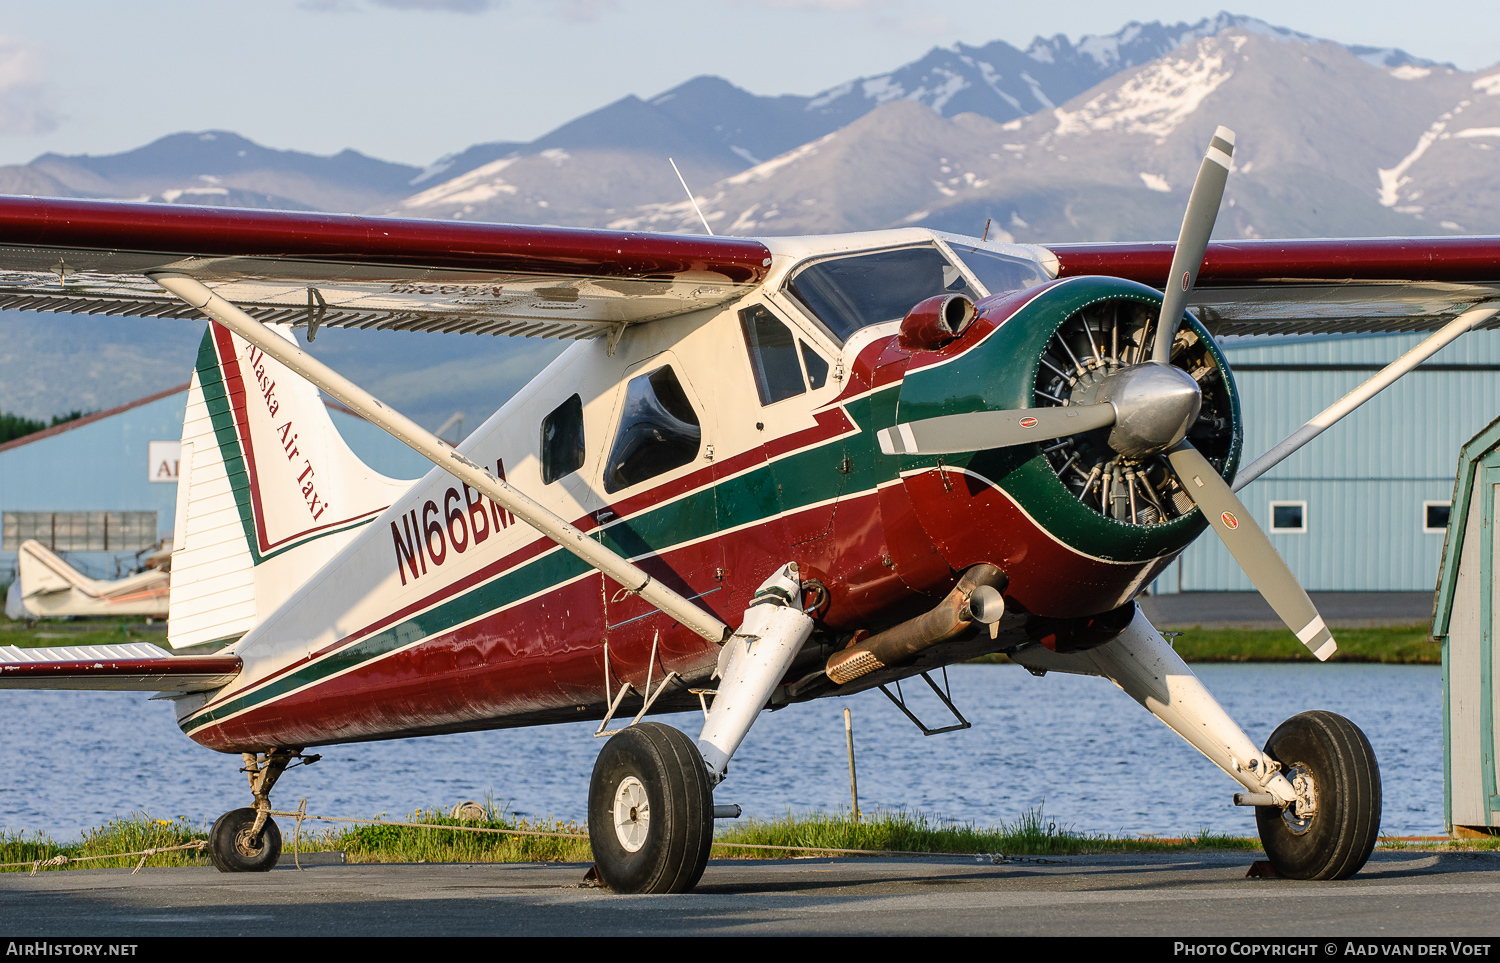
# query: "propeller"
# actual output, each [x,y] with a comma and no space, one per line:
[1192,241]
[1148,408]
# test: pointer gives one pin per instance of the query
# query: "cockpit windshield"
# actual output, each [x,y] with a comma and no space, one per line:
[999,272]
[849,293]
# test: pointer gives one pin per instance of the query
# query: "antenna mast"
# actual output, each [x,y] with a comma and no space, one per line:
[691,199]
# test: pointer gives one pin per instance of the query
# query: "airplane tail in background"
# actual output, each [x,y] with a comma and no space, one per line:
[48,587]
[268,491]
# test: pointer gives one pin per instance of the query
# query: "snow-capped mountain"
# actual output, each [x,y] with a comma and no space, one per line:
[1331,142]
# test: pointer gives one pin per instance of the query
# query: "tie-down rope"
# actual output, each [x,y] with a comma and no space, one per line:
[300,814]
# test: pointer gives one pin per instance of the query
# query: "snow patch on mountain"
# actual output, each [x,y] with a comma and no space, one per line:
[1156,100]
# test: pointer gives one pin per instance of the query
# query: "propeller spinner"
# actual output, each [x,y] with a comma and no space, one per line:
[1149,407]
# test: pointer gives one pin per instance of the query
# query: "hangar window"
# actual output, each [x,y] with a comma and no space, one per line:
[849,293]
[1289,516]
[1000,273]
[80,531]
[659,431]
[562,440]
[1435,517]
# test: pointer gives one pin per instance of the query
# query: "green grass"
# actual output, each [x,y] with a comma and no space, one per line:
[127,834]
[81,632]
[1393,645]
[1032,834]
[1402,645]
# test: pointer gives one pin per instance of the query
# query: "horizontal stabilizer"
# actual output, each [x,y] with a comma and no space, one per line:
[133,667]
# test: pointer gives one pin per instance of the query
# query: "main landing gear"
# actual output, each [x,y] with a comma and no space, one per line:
[1331,829]
[651,806]
[1315,788]
[248,840]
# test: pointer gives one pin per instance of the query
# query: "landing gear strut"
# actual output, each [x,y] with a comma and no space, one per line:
[1330,830]
[248,840]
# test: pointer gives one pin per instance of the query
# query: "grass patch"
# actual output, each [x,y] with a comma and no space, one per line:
[82,632]
[1399,645]
[1392,645]
[1032,834]
[405,844]
[127,834]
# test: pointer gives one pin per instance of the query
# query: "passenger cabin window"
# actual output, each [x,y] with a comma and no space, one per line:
[849,293]
[773,355]
[562,440]
[1000,273]
[659,431]
[817,368]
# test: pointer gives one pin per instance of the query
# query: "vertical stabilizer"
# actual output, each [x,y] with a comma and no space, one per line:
[268,492]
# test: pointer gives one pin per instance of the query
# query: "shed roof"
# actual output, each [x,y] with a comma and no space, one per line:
[90,419]
[1469,456]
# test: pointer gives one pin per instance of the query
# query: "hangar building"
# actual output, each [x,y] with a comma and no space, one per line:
[1364,506]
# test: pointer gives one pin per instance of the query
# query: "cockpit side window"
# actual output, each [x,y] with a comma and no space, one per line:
[562,440]
[773,355]
[849,293]
[659,431]
[999,273]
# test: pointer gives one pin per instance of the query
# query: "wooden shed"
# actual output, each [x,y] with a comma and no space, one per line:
[1464,620]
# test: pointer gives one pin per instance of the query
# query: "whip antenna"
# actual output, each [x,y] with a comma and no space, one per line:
[691,199]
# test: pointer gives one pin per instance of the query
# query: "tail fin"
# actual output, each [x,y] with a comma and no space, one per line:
[268,492]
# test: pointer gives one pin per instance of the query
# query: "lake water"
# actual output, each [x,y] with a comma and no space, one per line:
[1075,746]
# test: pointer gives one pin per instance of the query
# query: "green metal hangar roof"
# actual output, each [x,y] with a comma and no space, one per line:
[1362,508]
[103,487]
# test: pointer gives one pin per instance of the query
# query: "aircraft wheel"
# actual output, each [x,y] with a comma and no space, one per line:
[651,811]
[231,848]
[1329,758]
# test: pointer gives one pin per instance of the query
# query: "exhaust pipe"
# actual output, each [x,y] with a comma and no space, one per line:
[976,598]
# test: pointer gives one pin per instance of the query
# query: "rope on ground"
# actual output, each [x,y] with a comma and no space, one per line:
[300,813]
[60,860]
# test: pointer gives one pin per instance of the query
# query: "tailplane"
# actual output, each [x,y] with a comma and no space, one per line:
[268,492]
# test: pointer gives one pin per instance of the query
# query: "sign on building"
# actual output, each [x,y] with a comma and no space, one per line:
[162,460]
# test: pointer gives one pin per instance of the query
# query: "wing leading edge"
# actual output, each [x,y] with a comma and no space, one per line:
[95,257]
[1324,286]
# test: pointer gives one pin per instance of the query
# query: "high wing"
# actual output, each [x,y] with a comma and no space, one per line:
[1323,286]
[93,257]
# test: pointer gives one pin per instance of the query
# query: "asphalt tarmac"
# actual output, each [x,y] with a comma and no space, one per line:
[1397,894]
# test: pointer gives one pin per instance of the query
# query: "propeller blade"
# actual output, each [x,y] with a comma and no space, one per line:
[1251,549]
[980,430]
[1192,243]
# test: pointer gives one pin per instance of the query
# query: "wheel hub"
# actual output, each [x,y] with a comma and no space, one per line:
[1299,815]
[632,812]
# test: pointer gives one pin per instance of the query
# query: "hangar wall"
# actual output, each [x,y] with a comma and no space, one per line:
[1365,480]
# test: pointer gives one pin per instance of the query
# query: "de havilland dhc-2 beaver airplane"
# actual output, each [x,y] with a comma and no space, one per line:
[769,471]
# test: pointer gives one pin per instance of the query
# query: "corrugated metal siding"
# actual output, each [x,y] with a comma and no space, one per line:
[1366,478]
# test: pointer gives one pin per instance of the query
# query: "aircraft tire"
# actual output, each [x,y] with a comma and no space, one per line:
[666,851]
[228,852]
[1337,839]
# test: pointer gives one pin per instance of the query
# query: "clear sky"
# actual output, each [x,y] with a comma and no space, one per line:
[410,80]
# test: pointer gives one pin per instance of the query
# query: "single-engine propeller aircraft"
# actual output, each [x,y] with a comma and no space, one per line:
[770,471]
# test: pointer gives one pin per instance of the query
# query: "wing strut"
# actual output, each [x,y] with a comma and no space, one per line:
[424,443]
[1335,412]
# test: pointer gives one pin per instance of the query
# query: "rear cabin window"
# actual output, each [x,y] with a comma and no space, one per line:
[773,355]
[562,440]
[849,293]
[1000,273]
[659,431]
